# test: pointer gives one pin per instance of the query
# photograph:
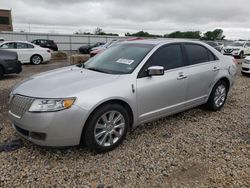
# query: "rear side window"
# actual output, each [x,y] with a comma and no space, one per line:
[20,45]
[30,46]
[198,54]
[169,57]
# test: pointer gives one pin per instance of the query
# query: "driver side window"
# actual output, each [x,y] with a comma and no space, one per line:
[10,45]
[169,57]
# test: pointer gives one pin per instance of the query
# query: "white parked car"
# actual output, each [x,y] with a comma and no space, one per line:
[27,52]
[245,70]
[238,48]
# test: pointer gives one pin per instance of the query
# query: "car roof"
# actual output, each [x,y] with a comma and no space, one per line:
[163,41]
[41,39]
[16,41]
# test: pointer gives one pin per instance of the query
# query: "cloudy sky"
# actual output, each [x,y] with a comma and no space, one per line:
[120,16]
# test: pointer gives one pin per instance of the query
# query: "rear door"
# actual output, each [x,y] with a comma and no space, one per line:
[203,68]
[24,51]
[162,95]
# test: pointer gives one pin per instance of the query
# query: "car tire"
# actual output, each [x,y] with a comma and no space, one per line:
[106,128]
[241,56]
[218,96]
[1,73]
[36,59]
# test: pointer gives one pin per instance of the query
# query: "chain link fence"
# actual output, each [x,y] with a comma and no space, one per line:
[64,42]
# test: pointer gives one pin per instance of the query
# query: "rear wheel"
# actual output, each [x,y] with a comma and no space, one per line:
[106,128]
[218,96]
[36,60]
[1,73]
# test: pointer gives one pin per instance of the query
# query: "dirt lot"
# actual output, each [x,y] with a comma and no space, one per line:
[196,148]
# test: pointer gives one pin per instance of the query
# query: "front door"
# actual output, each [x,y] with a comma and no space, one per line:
[158,96]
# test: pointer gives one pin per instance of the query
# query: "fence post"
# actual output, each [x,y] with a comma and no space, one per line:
[89,40]
[27,37]
[70,43]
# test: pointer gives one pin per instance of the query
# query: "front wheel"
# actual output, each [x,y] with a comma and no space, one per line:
[106,128]
[36,60]
[218,96]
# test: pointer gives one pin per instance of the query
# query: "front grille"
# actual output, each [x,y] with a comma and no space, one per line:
[245,69]
[19,105]
[228,50]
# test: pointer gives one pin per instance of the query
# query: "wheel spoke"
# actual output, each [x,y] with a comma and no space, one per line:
[117,133]
[121,126]
[100,134]
[111,116]
[99,126]
[110,140]
[104,139]
[118,118]
[104,118]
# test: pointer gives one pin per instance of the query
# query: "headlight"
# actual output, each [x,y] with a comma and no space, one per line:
[247,61]
[51,105]
[236,49]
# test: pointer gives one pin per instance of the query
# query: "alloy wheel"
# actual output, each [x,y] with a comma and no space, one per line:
[220,95]
[109,128]
[36,60]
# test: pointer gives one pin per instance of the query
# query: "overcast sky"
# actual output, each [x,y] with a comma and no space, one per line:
[120,16]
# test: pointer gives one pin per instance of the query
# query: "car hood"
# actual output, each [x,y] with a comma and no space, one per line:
[63,82]
[233,47]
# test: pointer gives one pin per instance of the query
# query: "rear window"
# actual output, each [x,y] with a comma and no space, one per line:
[198,54]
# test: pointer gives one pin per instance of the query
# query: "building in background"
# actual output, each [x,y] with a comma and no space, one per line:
[5,20]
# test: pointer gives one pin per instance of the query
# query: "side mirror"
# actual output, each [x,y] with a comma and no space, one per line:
[155,71]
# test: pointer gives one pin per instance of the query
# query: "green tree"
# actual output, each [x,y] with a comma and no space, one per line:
[141,34]
[216,34]
[186,34]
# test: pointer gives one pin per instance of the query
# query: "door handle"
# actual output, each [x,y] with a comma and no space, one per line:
[181,77]
[215,69]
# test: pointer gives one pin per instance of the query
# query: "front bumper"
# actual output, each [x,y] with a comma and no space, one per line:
[245,68]
[56,129]
[233,53]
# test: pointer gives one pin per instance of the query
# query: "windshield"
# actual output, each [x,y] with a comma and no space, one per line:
[106,45]
[240,44]
[120,59]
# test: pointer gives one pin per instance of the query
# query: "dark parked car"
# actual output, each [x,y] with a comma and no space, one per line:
[46,44]
[86,48]
[9,63]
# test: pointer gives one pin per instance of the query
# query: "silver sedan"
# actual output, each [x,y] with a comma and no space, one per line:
[129,84]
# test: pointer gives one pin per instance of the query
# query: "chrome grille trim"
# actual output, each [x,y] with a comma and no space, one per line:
[19,105]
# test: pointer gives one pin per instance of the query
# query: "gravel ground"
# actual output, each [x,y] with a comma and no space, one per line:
[196,148]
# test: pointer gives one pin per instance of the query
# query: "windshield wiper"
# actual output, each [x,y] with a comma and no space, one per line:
[97,70]
[81,65]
